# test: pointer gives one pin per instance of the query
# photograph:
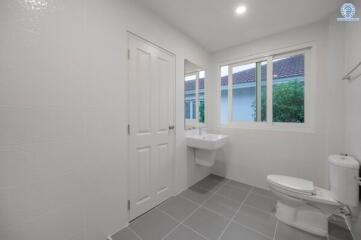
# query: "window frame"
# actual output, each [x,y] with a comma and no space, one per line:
[194,123]
[307,125]
[230,86]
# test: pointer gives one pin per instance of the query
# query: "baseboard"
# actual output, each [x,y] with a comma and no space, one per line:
[237,180]
[189,185]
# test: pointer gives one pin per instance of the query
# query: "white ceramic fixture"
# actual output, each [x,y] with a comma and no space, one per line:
[302,205]
[205,146]
[206,141]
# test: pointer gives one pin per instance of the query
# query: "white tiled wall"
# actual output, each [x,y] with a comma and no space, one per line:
[353,96]
[40,127]
[63,112]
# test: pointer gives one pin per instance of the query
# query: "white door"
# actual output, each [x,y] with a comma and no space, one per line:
[151,121]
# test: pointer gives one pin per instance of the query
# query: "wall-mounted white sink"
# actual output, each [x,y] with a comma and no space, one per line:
[206,141]
[205,146]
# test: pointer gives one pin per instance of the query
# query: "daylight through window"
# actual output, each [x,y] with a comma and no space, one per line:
[194,98]
[244,88]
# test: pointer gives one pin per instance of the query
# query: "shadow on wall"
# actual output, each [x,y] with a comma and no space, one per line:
[222,160]
[195,172]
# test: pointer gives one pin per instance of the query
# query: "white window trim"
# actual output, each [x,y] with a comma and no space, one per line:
[230,85]
[307,126]
[194,123]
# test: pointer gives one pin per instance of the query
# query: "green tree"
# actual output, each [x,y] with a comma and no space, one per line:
[201,112]
[288,102]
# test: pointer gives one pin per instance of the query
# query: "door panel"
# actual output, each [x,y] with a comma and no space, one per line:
[163,166]
[163,76]
[144,174]
[143,68]
[151,110]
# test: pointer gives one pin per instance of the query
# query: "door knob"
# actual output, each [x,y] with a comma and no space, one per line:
[171,127]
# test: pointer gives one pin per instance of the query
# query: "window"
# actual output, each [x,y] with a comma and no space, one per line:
[194,98]
[269,90]
[201,96]
[288,93]
[224,94]
[248,90]
[190,97]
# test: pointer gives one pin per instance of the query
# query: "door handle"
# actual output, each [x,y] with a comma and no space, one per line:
[171,127]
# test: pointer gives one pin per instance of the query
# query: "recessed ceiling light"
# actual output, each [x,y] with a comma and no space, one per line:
[241,10]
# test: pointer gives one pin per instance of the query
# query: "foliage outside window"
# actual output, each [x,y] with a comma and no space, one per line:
[288,102]
[244,88]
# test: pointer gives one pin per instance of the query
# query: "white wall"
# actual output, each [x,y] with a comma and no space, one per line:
[63,111]
[252,154]
[190,67]
[63,108]
[353,88]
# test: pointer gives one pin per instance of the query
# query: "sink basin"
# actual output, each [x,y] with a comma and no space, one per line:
[207,141]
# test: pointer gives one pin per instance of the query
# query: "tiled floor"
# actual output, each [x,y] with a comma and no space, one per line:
[214,209]
[340,230]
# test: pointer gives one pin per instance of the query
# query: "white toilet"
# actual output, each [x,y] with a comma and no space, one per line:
[302,205]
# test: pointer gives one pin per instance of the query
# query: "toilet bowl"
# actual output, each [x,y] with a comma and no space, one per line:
[302,205]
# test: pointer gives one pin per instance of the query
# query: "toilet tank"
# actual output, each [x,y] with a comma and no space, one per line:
[344,172]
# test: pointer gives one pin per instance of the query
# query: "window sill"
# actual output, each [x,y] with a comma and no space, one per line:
[279,127]
[192,124]
[195,126]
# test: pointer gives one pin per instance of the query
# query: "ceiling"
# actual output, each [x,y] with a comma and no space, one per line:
[215,26]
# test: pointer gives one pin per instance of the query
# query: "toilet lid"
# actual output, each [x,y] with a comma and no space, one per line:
[292,184]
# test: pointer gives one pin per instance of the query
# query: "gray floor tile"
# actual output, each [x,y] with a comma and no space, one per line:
[178,207]
[337,220]
[217,178]
[207,223]
[355,221]
[125,234]
[261,202]
[264,192]
[211,182]
[153,225]
[337,232]
[224,206]
[254,221]
[183,233]
[285,232]
[237,232]
[260,221]
[208,185]
[232,193]
[242,186]
[195,194]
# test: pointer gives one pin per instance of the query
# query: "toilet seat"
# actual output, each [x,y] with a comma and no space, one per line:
[292,184]
[301,189]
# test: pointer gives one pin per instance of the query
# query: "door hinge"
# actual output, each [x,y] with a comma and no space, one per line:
[128,53]
[128,129]
[128,205]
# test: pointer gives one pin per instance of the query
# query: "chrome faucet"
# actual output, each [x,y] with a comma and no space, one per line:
[200,130]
